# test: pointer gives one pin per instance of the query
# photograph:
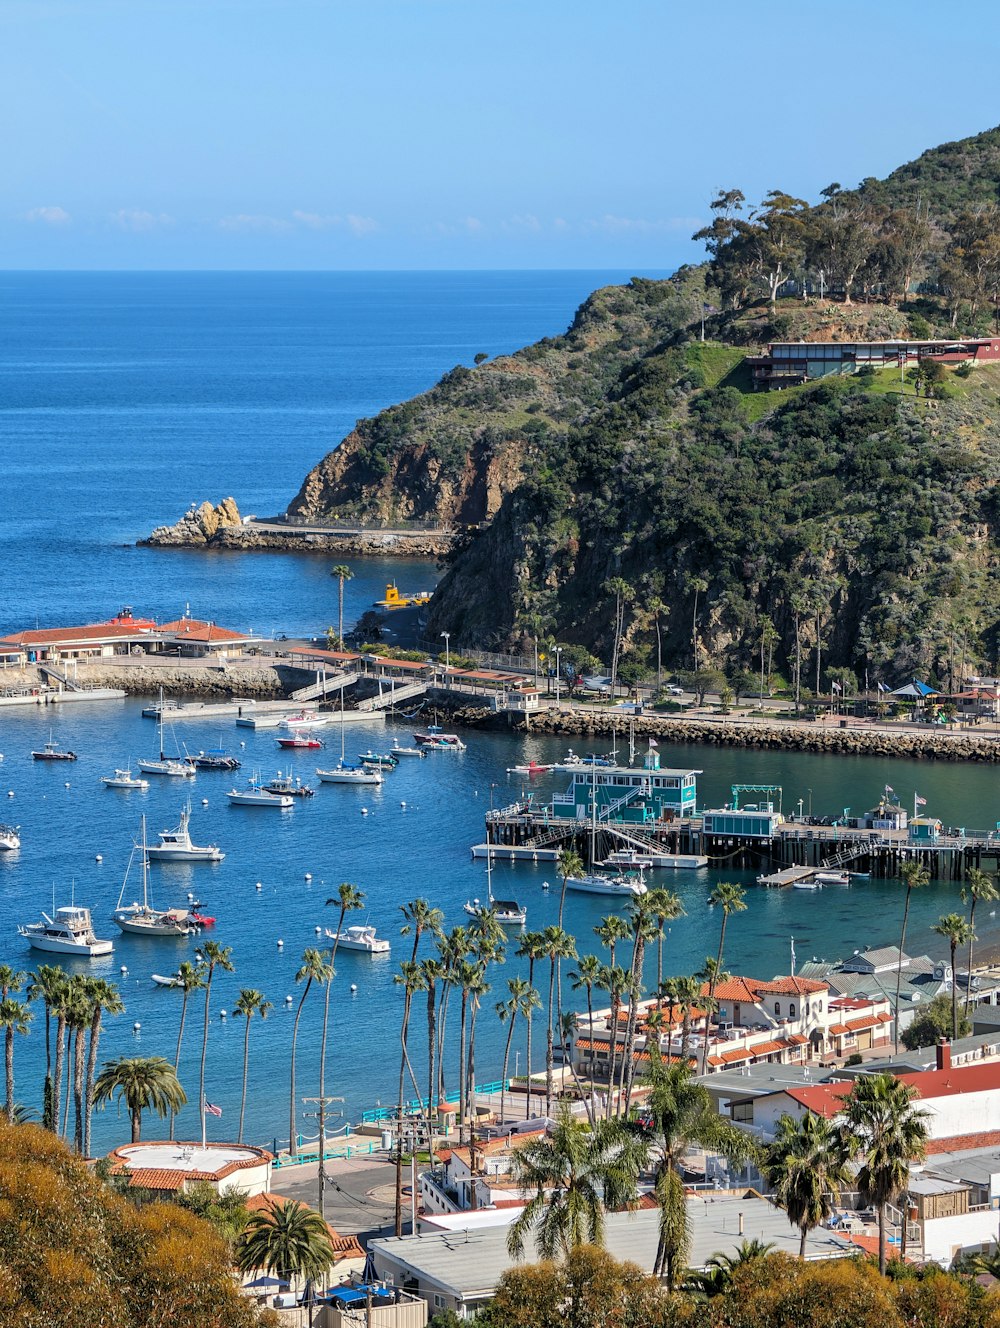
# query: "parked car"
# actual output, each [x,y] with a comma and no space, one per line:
[674,690]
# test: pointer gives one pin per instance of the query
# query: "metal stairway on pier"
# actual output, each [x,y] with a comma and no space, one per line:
[330,682]
[392,696]
[61,678]
[844,856]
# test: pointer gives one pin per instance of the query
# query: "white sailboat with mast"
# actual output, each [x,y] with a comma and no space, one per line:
[342,772]
[623,884]
[166,765]
[143,919]
[508,912]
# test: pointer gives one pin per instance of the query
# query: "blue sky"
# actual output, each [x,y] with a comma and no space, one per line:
[450,133]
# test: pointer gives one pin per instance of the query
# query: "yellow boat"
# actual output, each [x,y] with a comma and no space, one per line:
[396,599]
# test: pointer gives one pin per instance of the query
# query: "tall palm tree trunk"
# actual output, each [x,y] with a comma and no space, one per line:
[70,1053]
[399,1113]
[177,1054]
[527,1049]
[246,1063]
[136,1125]
[461,1068]
[590,1017]
[470,1078]
[441,1030]
[293,1139]
[506,1062]
[881,1239]
[9,1067]
[58,1071]
[639,958]
[613,1049]
[88,1102]
[204,1054]
[954,993]
[79,1066]
[549,1059]
[431,1008]
[711,992]
[972,938]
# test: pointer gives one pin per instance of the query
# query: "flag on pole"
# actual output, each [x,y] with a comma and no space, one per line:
[889,790]
[212,1110]
[653,742]
[919,801]
[793,956]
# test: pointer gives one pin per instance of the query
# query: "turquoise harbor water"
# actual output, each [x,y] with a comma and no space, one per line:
[122,399]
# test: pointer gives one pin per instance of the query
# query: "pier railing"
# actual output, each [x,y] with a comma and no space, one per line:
[417,1104]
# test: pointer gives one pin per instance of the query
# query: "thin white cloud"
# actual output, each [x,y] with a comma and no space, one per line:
[358,225]
[317,221]
[254,221]
[522,221]
[139,220]
[50,216]
[616,225]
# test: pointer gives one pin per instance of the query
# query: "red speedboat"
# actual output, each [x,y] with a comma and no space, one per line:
[300,740]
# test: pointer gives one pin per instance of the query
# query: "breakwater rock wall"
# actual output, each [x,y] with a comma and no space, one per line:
[779,736]
[222,528]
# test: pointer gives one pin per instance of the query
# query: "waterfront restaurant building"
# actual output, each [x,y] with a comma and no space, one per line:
[627,795]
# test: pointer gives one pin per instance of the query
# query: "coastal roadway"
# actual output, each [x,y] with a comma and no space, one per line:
[360,1192]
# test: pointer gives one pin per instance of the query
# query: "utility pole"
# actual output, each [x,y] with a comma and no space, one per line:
[320,1115]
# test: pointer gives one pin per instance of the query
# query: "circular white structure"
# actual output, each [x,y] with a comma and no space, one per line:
[170,1167]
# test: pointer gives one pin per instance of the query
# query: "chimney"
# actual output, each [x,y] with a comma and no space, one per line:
[943,1054]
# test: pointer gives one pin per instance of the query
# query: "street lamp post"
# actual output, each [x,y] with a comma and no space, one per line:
[447,650]
[558,670]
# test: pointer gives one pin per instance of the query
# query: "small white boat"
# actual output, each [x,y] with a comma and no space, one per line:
[628,857]
[305,719]
[532,768]
[161,981]
[595,884]
[361,937]
[258,796]
[69,931]
[436,741]
[10,838]
[343,773]
[124,779]
[166,765]
[397,750]
[832,878]
[810,883]
[176,846]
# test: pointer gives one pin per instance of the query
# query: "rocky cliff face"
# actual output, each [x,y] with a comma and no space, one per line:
[199,525]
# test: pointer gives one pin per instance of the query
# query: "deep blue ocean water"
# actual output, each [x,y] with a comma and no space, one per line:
[122,399]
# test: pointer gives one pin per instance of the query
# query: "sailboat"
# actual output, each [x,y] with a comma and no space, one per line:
[166,765]
[142,919]
[508,912]
[342,773]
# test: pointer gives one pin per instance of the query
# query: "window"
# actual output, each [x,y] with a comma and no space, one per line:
[439,1302]
[777,1007]
[791,1012]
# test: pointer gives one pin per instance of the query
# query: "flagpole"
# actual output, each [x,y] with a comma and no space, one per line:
[914,804]
[204,1119]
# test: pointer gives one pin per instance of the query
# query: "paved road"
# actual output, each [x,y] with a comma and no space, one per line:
[289,528]
[360,1194]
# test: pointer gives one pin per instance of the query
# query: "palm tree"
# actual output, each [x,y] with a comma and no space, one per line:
[487,948]
[347,898]
[577,1172]
[522,1000]
[914,878]
[477,989]
[452,948]
[568,863]
[465,977]
[314,969]
[14,1018]
[411,979]
[981,887]
[885,1133]
[643,930]
[216,956]
[287,1239]
[699,585]
[615,981]
[717,1279]
[434,972]
[142,1083]
[958,930]
[610,931]
[43,984]
[683,1114]
[11,979]
[189,978]
[711,977]
[60,998]
[420,917]
[588,976]
[343,573]
[558,945]
[532,948]
[105,999]
[807,1165]
[689,999]
[658,611]
[731,899]
[250,1002]
[79,1019]
[665,907]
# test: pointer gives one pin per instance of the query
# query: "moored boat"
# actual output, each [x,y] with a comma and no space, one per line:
[143,919]
[304,719]
[166,765]
[398,750]
[69,931]
[255,795]
[379,760]
[305,738]
[624,885]
[532,768]
[124,779]
[359,937]
[215,759]
[434,740]
[163,981]
[344,773]
[52,752]
[10,838]
[284,783]
[176,846]
[832,878]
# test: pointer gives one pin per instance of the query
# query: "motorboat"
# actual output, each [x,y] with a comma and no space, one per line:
[629,857]
[359,937]
[344,773]
[143,919]
[305,719]
[508,912]
[124,779]
[832,878]
[379,760]
[284,783]
[162,980]
[166,765]
[69,931]
[572,761]
[176,846]
[10,838]
[214,759]
[256,795]
[304,738]
[593,883]
[434,740]
[808,883]
[532,768]
[52,752]
[398,751]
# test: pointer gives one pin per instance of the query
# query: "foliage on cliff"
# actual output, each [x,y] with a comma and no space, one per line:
[639,496]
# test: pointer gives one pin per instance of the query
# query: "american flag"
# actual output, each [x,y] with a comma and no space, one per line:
[212,1110]
[919,801]
[653,742]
